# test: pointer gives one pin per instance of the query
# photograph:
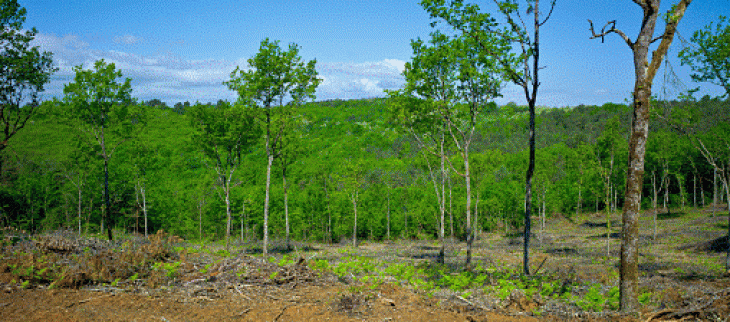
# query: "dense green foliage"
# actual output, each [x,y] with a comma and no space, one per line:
[709,57]
[346,145]
[24,70]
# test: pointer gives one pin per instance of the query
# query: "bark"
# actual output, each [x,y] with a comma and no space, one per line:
[645,70]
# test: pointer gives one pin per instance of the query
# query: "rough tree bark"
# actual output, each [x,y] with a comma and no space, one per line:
[645,71]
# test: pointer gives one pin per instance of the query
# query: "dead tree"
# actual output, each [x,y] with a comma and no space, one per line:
[645,71]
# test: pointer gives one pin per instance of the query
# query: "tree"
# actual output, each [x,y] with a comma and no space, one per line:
[103,108]
[645,72]
[710,59]
[718,156]
[223,133]
[274,76]
[520,68]
[290,149]
[448,84]
[24,71]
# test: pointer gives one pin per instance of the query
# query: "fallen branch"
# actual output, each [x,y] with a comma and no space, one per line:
[281,313]
[89,299]
[465,300]
[239,292]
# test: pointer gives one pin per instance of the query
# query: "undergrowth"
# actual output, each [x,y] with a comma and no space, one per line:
[63,261]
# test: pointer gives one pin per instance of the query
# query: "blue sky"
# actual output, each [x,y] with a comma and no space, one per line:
[184,50]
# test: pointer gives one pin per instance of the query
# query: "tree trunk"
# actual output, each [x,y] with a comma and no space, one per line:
[694,190]
[201,202]
[243,214]
[654,200]
[329,213]
[107,202]
[354,223]
[451,208]
[469,232]
[580,190]
[227,187]
[266,203]
[528,191]
[628,271]
[727,193]
[388,215]
[144,208]
[714,191]
[286,209]
[79,209]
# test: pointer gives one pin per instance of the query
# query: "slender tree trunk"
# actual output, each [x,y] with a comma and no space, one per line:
[654,200]
[248,230]
[580,199]
[442,205]
[80,209]
[451,207]
[227,187]
[388,216]
[694,190]
[329,213]
[354,223]
[714,191]
[266,203]
[243,214]
[107,202]
[469,232]
[727,194]
[286,209]
[528,191]
[144,208]
[200,218]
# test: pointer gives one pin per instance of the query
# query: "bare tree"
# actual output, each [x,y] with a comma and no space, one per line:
[645,71]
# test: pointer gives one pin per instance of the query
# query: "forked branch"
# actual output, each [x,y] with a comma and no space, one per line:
[611,25]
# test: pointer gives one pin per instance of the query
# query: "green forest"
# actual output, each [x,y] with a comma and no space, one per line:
[160,172]
[436,159]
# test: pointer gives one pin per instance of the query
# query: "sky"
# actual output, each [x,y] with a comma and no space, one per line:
[184,50]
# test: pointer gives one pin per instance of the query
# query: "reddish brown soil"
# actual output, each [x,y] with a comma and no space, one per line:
[309,303]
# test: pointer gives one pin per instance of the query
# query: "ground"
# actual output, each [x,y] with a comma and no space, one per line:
[66,277]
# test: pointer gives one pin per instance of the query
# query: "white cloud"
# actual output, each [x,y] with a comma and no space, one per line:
[397,63]
[127,39]
[173,79]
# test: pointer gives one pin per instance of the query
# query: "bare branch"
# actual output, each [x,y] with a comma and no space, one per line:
[612,29]
[552,6]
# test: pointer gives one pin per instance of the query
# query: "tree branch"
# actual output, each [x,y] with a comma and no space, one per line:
[552,6]
[667,37]
[613,29]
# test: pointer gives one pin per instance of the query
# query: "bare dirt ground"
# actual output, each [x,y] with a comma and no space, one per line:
[62,277]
